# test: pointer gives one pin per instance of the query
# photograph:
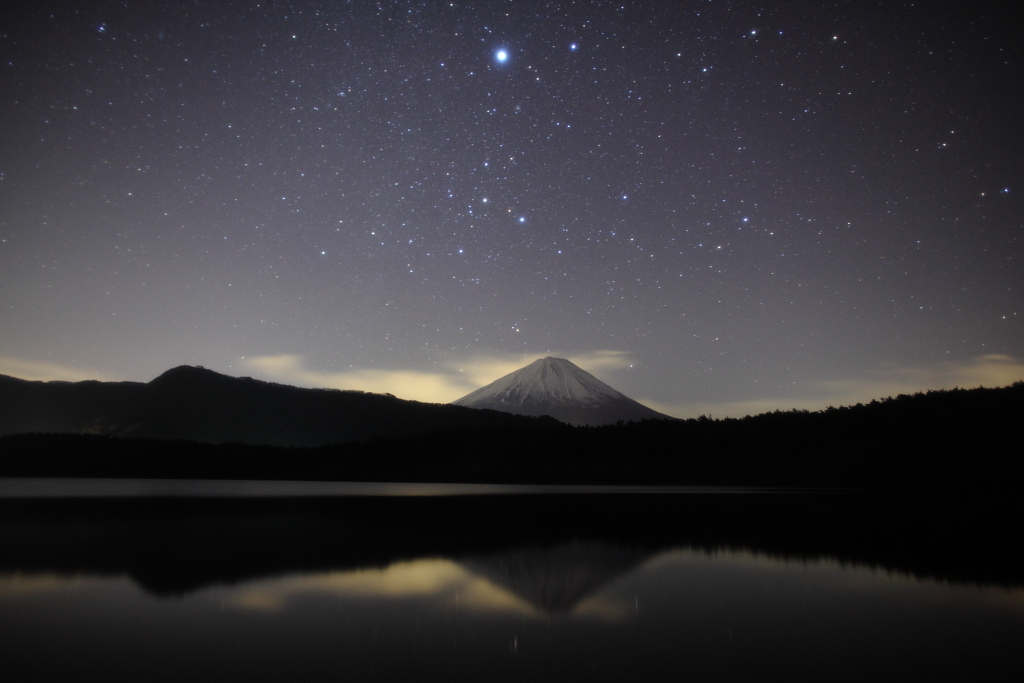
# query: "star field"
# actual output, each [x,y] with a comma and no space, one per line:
[728,202]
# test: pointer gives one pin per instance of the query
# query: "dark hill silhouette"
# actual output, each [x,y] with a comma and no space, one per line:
[952,438]
[196,404]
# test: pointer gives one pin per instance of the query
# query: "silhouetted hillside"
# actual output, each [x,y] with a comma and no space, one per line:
[197,404]
[958,437]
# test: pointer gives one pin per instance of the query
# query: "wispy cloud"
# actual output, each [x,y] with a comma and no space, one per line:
[484,369]
[450,381]
[35,370]
[990,371]
[435,387]
[454,378]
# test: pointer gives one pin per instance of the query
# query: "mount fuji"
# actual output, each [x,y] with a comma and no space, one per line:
[562,390]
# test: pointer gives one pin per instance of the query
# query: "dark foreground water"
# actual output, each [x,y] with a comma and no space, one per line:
[524,586]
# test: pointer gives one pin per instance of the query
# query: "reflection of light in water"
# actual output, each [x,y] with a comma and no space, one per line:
[831,575]
[441,580]
[680,611]
[13,586]
[604,608]
[448,585]
[570,578]
[444,582]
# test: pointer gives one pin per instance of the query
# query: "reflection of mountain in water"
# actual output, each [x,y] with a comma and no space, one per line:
[555,580]
[173,546]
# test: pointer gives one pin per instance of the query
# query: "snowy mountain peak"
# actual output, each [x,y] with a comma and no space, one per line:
[561,389]
[544,380]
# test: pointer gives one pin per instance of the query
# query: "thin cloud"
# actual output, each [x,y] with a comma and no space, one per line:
[603,360]
[431,387]
[46,372]
[992,370]
[454,380]
[484,369]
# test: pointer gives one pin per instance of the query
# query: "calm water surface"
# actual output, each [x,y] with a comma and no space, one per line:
[26,487]
[593,588]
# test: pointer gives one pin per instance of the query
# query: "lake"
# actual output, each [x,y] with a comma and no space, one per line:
[215,581]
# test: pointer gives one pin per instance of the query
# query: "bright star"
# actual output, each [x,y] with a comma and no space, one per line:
[573,46]
[522,219]
[501,56]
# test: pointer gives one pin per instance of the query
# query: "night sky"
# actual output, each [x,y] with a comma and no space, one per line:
[720,207]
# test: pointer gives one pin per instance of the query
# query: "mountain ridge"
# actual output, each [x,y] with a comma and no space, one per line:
[197,404]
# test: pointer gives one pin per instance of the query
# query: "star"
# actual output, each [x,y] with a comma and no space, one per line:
[625,176]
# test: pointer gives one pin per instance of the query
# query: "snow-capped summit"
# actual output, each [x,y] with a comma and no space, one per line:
[556,387]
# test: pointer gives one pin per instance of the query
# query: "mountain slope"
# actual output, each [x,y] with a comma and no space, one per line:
[197,404]
[562,390]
